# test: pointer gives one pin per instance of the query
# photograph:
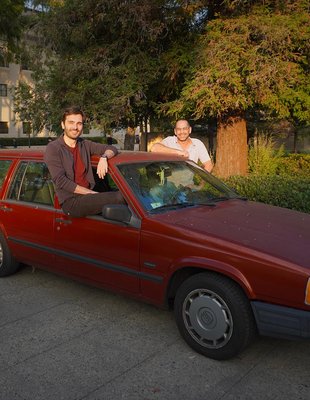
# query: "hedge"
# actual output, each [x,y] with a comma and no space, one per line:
[288,187]
[297,165]
[42,141]
[283,191]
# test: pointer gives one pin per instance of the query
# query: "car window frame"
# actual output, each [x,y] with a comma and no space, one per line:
[17,171]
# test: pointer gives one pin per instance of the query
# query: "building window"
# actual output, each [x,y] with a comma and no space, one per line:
[4,127]
[3,60]
[3,90]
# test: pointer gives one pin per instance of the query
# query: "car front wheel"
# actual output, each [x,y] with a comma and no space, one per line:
[8,265]
[214,316]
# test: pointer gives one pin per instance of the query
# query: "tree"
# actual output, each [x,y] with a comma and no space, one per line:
[124,61]
[11,24]
[105,55]
[29,106]
[257,61]
[109,56]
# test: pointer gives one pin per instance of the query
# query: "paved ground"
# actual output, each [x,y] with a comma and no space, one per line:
[63,340]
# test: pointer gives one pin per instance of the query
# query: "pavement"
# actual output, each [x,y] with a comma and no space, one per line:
[61,339]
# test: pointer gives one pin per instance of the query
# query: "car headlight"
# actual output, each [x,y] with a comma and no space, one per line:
[307,297]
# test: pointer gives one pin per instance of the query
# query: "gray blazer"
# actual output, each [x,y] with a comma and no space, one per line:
[61,165]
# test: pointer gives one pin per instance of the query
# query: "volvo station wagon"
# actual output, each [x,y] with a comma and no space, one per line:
[229,268]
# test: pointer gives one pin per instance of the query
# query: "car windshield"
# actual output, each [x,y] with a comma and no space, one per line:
[166,185]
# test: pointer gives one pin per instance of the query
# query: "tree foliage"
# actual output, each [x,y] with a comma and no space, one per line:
[30,106]
[11,25]
[252,57]
[107,55]
[255,61]
[124,60]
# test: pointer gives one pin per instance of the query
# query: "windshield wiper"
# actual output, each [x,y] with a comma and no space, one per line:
[224,198]
[205,203]
[181,205]
[171,206]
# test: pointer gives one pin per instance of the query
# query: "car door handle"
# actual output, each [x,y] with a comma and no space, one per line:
[63,221]
[5,208]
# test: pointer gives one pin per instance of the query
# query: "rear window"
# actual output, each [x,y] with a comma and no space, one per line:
[32,184]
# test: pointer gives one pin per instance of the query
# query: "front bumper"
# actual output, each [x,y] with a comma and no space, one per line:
[281,322]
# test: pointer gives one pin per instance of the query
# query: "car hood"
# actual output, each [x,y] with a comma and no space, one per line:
[276,231]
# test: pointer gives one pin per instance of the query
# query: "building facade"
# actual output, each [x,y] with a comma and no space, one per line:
[10,125]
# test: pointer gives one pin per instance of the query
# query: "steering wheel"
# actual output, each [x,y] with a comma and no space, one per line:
[180,191]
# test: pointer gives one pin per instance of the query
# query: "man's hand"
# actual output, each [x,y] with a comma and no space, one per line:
[183,153]
[208,166]
[82,190]
[102,167]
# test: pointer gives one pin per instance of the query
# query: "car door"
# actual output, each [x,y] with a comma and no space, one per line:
[27,214]
[99,250]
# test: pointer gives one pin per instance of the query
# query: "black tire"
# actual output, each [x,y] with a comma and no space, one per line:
[8,265]
[214,316]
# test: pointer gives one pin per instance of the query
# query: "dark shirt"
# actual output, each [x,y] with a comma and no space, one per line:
[79,168]
[60,163]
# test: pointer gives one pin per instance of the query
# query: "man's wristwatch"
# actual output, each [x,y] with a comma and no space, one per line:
[106,157]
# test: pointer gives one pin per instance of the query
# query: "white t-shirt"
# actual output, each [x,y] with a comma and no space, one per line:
[197,150]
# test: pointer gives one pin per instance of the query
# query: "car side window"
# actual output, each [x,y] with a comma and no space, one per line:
[32,183]
[104,185]
[4,166]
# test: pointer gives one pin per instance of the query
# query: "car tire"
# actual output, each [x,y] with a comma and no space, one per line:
[214,316]
[8,265]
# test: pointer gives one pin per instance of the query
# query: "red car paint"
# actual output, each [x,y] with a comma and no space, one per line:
[264,249]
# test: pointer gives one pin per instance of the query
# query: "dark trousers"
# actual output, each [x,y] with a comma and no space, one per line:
[82,205]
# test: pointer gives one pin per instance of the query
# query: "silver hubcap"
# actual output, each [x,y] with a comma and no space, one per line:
[207,318]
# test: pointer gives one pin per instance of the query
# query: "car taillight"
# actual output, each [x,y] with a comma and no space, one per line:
[307,297]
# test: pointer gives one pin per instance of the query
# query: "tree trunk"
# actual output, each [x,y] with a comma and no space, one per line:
[295,141]
[231,149]
[129,141]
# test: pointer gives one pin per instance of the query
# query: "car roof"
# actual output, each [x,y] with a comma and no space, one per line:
[24,153]
[142,156]
[124,156]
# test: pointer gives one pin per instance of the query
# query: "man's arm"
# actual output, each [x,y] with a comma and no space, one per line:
[106,152]
[208,166]
[204,156]
[161,148]
[102,166]
[101,149]
[57,170]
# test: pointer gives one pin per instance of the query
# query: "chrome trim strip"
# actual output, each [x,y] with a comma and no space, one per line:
[97,263]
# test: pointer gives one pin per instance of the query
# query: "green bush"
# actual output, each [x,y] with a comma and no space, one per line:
[297,165]
[263,156]
[276,179]
[41,141]
[23,141]
[283,191]
[99,139]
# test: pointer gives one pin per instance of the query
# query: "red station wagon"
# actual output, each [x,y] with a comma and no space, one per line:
[228,267]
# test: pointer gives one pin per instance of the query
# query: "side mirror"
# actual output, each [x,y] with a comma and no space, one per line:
[117,212]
